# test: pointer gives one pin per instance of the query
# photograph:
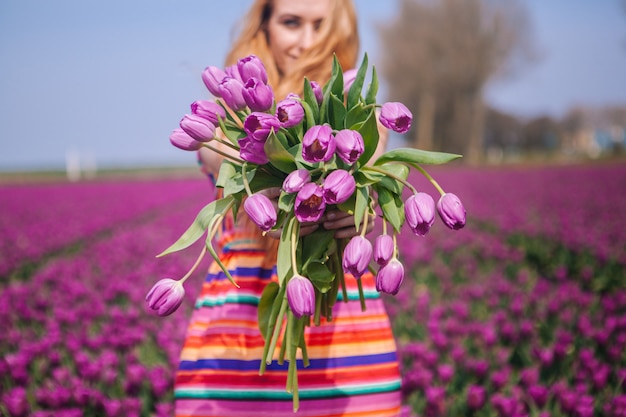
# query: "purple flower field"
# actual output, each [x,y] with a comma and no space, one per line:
[521,313]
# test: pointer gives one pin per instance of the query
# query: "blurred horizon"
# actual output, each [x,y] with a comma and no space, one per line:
[102,85]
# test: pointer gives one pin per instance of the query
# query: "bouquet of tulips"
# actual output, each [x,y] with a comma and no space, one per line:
[317,149]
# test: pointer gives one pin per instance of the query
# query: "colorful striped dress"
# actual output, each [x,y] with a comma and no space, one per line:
[353,367]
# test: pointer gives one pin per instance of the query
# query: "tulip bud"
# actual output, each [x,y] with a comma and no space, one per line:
[289,112]
[357,255]
[252,67]
[451,211]
[233,72]
[296,180]
[348,79]
[261,211]
[300,296]
[210,110]
[390,277]
[383,249]
[310,204]
[212,77]
[258,96]
[338,186]
[259,125]
[183,141]
[165,296]
[252,151]
[349,145]
[396,116]
[198,127]
[317,90]
[230,90]
[419,211]
[476,397]
[318,144]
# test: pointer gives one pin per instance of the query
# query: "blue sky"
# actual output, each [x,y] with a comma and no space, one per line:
[110,80]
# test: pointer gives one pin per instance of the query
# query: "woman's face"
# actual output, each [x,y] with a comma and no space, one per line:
[293,27]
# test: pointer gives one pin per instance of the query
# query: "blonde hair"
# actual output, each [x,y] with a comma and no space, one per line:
[338,36]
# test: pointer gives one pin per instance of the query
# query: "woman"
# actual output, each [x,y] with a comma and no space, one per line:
[353,367]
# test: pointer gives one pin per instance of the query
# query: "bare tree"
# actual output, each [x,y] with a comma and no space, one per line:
[438,57]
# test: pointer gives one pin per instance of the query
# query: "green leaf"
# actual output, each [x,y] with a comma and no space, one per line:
[372,90]
[278,155]
[356,116]
[315,245]
[361,205]
[416,156]
[336,113]
[336,79]
[397,171]
[200,224]
[286,201]
[320,276]
[268,297]
[283,257]
[233,133]
[311,108]
[369,132]
[392,207]
[227,171]
[355,89]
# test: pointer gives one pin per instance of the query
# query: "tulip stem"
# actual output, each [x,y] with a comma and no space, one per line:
[195,265]
[224,154]
[431,179]
[295,231]
[395,177]
[277,329]
[244,178]
[366,218]
[230,112]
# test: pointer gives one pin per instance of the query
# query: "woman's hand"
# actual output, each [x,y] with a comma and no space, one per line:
[343,223]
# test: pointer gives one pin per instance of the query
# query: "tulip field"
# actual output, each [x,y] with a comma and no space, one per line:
[520,313]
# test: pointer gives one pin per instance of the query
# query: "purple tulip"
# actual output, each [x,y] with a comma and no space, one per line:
[165,296]
[419,211]
[183,141]
[396,116]
[198,127]
[301,296]
[258,96]
[357,255]
[390,277]
[349,145]
[383,249]
[208,109]
[231,90]
[338,186]
[318,144]
[212,77]
[317,90]
[259,125]
[476,397]
[451,211]
[289,112]
[310,204]
[296,180]
[348,79]
[252,67]
[539,394]
[261,211]
[233,72]
[252,151]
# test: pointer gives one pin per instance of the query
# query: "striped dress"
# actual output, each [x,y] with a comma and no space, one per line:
[353,367]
